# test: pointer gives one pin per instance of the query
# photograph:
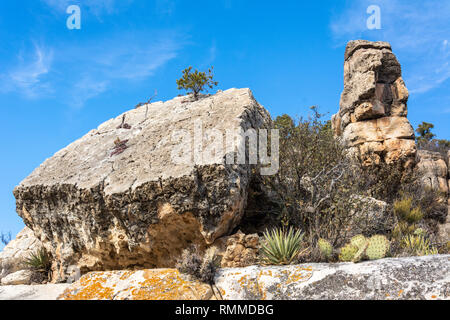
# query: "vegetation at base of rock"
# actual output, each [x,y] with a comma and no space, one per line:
[359,247]
[377,248]
[418,245]
[40,263]
[322,191]
[325,247]
[201,267]
[5,238]
[348,253]
[281,247]
[196,81]
[404,211]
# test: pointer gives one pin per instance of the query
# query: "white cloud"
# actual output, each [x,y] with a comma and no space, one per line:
[417,31]
[76,73]
[122,59]
[28,75]
[85,89]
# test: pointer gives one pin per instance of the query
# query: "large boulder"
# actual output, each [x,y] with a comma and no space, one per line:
[17,250]
[372,119]
[136,191]
[425,277]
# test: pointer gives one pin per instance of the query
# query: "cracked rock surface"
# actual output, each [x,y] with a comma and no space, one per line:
[115,198]
[409,278]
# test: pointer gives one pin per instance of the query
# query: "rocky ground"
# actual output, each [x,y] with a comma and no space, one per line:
[386,279]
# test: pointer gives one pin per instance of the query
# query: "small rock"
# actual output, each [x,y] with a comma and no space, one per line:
[17,278]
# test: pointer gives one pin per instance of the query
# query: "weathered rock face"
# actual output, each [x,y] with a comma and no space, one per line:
[116,198]
[372,119]
[425,277]
[239,250]
[435,174]
[13,255]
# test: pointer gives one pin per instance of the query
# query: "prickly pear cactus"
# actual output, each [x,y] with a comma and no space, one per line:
[348,252]
[326,249]
[377,247]
[358,240]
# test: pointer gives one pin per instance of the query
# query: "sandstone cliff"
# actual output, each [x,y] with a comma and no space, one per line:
[372,119]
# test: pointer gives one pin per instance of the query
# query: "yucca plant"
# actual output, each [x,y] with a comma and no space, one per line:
[281,247]
[418,245]
[39,261]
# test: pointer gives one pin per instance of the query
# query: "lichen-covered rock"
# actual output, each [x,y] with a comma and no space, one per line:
[373,108]
[425,277]
[17,250]
[162,284]
[116,198]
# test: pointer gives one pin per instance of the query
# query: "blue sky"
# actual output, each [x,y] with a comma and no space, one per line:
[57,84]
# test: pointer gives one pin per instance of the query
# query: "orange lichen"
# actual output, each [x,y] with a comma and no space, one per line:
[165,284]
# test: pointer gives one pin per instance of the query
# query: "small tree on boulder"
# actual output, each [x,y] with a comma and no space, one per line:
[196,81]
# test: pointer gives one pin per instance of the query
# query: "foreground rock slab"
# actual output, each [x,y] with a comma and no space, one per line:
[37,292]
[387,279]
[157,284]
[117,198]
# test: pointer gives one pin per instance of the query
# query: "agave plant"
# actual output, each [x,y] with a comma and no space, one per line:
[39,261]
[281,247]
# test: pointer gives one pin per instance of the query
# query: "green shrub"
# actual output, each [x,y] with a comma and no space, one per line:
[317,185]
[281,247]
[196,81]
[39,261]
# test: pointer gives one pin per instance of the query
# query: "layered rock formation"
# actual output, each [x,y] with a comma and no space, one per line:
[434,170]
[116,198]
[425,277]
[372,119]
